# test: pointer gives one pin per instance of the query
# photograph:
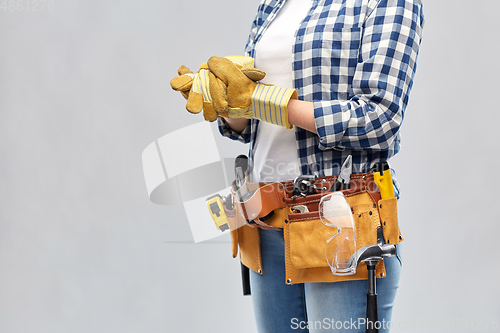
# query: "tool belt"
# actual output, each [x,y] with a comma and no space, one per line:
[305,235]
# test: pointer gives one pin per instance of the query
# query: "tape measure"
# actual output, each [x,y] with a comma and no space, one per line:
[215,205]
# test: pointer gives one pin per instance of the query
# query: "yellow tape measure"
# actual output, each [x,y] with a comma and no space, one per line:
[216,208]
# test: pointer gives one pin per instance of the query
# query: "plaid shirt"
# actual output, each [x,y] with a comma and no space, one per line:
[355,59]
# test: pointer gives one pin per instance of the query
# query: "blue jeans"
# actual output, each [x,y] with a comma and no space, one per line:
[315,307]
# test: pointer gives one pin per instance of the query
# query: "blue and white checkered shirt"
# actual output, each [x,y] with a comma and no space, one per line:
[355,59]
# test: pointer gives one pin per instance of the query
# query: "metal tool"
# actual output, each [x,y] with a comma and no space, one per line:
[304,185]
[342,182]
[240,169]
[371,255]
[242,194]
[300,209]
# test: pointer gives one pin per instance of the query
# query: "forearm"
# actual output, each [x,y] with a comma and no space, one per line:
[301,114]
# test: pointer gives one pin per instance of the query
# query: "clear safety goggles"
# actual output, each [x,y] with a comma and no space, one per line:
[335,212]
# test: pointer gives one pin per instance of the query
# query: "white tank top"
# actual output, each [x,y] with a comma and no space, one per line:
[275,150]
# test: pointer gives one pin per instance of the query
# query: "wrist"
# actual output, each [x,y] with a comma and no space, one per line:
[236,124]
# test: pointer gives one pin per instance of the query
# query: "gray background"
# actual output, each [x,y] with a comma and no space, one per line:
[84,89]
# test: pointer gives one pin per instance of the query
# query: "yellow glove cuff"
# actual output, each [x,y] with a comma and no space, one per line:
[269,104]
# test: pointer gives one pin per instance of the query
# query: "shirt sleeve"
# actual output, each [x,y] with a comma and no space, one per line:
[383,77]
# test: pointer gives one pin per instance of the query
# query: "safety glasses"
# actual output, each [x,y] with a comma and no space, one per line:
[335,212]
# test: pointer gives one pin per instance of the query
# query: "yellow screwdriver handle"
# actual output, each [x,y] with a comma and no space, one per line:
[384,183]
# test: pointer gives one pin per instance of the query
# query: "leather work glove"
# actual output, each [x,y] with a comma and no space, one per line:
[196,88]
[247,98]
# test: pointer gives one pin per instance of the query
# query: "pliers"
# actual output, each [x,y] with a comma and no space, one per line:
[342,182]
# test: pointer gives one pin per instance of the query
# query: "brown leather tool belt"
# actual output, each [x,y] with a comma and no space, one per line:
[269,206]
[268,197]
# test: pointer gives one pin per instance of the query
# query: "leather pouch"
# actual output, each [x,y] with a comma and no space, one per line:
[306,236]
[233,226]
[388,211]
[247,239]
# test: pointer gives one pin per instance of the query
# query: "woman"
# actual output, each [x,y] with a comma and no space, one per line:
[352,65]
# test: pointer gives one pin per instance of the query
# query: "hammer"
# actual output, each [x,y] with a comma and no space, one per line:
[370,255]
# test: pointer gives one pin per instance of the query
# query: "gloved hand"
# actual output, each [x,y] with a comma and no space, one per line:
[194,87]
[199,88]
[246,98]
